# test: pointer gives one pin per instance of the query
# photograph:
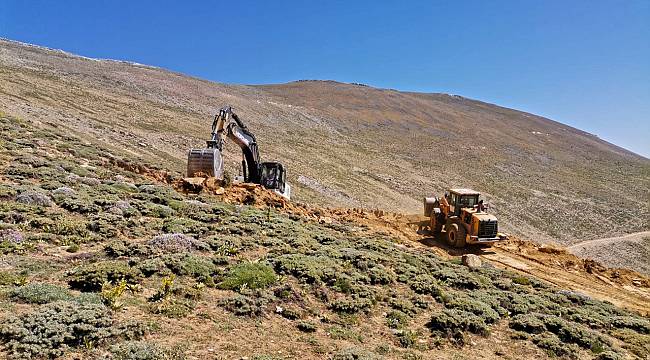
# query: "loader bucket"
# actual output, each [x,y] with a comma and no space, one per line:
[205,162]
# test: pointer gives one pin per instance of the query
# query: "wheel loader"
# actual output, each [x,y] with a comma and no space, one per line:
[209,161]
[464,218]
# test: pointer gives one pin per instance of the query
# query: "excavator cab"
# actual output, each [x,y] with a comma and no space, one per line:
[273,176]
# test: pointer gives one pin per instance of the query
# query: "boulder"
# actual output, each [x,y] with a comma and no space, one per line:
[193,184]
[472,261]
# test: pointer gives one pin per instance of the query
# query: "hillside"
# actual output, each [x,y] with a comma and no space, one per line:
[347,145]
[104,258]
[108,254]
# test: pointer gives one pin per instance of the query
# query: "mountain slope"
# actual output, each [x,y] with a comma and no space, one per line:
[348,145]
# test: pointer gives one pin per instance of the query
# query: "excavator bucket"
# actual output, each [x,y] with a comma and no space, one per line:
[205,162]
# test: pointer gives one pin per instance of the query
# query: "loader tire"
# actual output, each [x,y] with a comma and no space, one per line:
[461,238]
[452,233]
[456,235]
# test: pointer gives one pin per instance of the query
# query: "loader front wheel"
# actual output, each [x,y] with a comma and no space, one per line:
[452,234]
[456,235]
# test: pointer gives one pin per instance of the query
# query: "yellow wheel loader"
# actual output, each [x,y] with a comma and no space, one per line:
[464,218]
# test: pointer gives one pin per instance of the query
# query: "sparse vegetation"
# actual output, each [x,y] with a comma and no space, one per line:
[53,328]
[136,249]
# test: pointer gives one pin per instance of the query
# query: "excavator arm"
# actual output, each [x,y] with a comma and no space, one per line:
[227,123]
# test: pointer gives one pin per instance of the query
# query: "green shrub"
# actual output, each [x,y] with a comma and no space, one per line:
[352,304]
[476,307]
[199,267]
[81,205]
[527,323]
[248,275]
[396,319]
[173,307]
[426,285]
[40,293]
[566,331]
[449,321]
[145,350]
[611,355]
[521,280]
[9,278]
[310,269]
[459,277]
[244,305]
[407,338]
[51,329]
[354,353]
[306,326]
[91,277]
[552,344]
[112,294]
[381,275]
[403,305]
[73,248]
[637,344]
[642,326]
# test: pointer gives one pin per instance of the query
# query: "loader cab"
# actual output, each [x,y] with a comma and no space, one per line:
[461,198]
[273,176]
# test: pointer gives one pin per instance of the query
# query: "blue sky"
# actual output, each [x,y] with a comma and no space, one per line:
[583,63]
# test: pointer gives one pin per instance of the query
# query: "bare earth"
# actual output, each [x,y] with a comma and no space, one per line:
[629,251]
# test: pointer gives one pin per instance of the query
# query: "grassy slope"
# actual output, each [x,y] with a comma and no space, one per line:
[349,145]
[248,281]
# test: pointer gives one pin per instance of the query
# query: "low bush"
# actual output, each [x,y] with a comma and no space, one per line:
[34,198]
[407,338]
[173,307]
[426,285]
[144,350]
[200,267]
[9,278]
[50,330]
[245,305]
[310,269]
[637,344]
[248,275]
[448,322]
[306,326]
[40,293]
[175,243]
[354,353]
[91,277]
[352,304]
[475,307]
[397,319]
[554,346]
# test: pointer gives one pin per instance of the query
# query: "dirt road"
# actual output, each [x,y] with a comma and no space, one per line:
[597,242]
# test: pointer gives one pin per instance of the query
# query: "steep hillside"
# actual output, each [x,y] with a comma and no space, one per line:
[347,145]
[102,258]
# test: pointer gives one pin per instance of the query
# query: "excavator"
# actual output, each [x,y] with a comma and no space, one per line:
[209,161]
